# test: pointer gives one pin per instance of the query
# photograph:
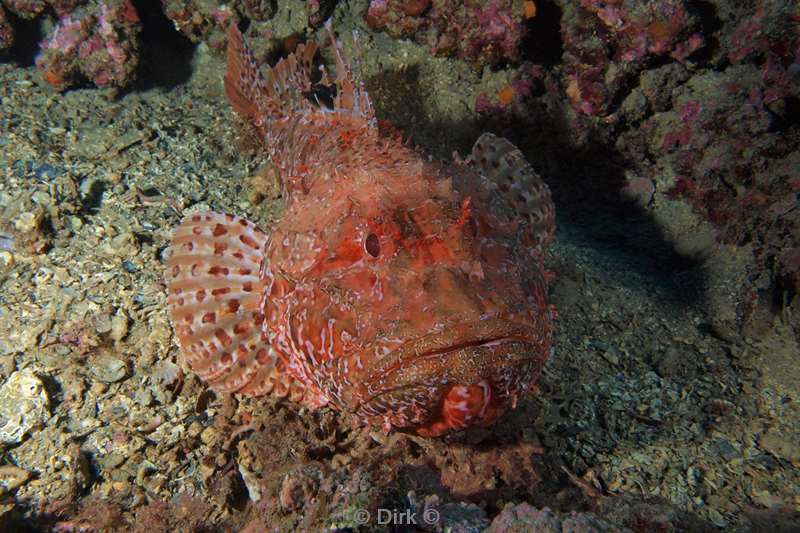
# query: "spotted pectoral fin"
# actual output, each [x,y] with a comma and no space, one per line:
[214,299]
[511,176]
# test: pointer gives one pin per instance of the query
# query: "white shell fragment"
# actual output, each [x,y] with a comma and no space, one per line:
[24,406]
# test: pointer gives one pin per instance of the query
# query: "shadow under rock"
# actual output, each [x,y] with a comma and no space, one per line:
[399,98]
[27,35]
[542,43]
[166,54]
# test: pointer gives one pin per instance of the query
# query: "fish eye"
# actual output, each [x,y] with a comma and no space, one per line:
[372,245]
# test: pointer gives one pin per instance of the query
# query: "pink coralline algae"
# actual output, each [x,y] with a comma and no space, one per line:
[28,10]
[770,29]
[606,43]
[727,144]
[206,21]
[769,38]
[481,33]
[99,43]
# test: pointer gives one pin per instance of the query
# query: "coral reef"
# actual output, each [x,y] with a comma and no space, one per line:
[480,33]
[26,9]
[271,26]
[726,140]
[606,44]
[99,42]
[206,21]
[511,92]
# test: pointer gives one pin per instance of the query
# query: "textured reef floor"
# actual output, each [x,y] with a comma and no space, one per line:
[670,402]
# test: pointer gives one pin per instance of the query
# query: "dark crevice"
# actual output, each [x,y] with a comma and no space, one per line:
[710,24]
[94,196]
[542,43]
[166,54]
[792,114]
[27,35]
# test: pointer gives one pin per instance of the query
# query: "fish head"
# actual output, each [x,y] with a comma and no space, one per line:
[430,309]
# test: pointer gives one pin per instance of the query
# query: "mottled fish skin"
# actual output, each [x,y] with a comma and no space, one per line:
[408,294]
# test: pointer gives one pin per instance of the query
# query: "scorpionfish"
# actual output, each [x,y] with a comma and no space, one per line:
[408,293]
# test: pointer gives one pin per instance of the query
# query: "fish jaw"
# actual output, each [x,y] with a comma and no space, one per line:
[467,376]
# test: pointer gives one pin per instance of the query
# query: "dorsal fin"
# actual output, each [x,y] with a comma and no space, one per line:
[283,89]
[504,166]
[281,92]
[304,138]
[351,96]
[244,84]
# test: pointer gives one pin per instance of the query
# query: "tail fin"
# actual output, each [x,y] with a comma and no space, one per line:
[504,165]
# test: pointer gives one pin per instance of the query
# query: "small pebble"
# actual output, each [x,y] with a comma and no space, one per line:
[102,323]
[46,172]
[208,435]
[6,258]
[252,482]
[781,445]
[195,428]
[108,369]
[119,326]
[12,477]
[27,222]
[639,191]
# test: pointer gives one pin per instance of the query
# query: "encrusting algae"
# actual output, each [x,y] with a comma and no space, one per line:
[408,294]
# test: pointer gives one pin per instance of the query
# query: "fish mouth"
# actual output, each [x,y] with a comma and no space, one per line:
[500,355]
[461,337]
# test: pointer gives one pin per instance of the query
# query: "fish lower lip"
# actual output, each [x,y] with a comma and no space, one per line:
[466,340]
[478,343]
